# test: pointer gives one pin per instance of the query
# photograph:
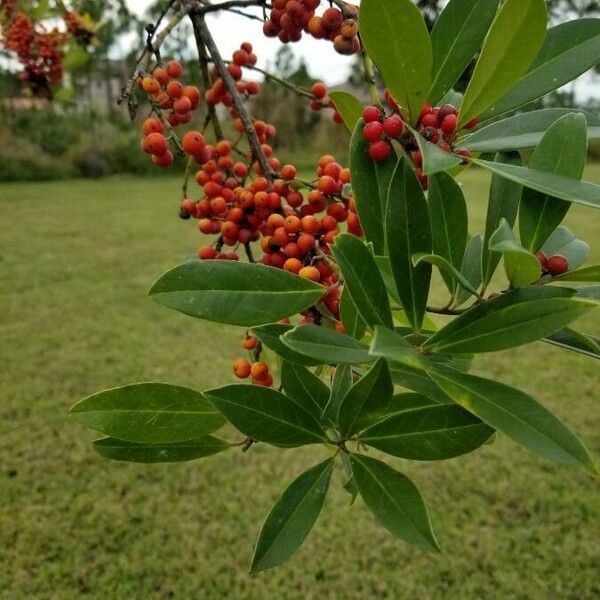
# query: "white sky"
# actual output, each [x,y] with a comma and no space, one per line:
[230,30]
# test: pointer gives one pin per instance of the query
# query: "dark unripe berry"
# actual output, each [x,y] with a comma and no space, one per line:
[372,131]
[380,150]
[371,113]
[557,264]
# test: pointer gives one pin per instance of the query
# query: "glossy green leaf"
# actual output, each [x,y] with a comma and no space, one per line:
[349,107]
[510,47]
[270,336]
[503,203]
[366,188]
[563,242]
[408,233]
[446,269]
[574,340]
[385,27]
[449,222]
[562,151]
[510,320]
[392,346]
[266,415]
[456,37]
[236,293]
[362,280]
[569,50]
[385,270]
[326,345]
[515,414]
[366,397]
[303,386]
[293,516]
[434,432]
[340,384]
[353,322]
[435,160]
[471,268]
[581,192]
[417,380]
[149,413]
[524,130]
[350,483]
[589,274]
[395,501]
[521,266]
[159,453]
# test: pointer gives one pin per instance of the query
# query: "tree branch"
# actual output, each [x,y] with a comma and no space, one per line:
[205,37]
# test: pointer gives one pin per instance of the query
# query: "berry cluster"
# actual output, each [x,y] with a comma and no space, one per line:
[80,27]
[38,50]
[167,93]
[554,265]
[379,130]
[258,370]
[320,101]
[218,93]
[290,18]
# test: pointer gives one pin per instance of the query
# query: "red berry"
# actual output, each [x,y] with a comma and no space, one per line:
[430,120]
[152,125]
[372,131]
[379,150]
[155,143]
[393,127]
[207,253]
[242,368]
[371,113]
[557,264]
[449,124]
[174,69]
[466,154]
[319,90]
[472,123]
[543,259]
[288,172]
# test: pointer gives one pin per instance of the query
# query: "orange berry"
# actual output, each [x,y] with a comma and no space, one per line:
[311,273]
[175,89]
[259,370]
[241,368]
[292,224]
[150,85]
[174,69]
[155,143]
[250,342]
[293,265]
[193,142]
[163,160]
[207,253]
[152,125]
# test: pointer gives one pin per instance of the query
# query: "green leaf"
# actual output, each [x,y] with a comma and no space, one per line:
[510,47]
[503,205]
[446,269]
[407,233]
[418,381]
[266,415]
[449,223]
[515,414]
[456,37]
[362,280]
[392,346]
[326,345]
[303,386]
[39,10]
[521,266]
[434,432]
[236,293]
[471,268]
[350,484]
[366,397]
[340,385]
[563,242]
[349,107]
[385,270]
[524,130]
[562,151]
[581,192]
[573,340]
[435,160]
[395,501]
[569,50]
[270,336]
[353,322]
[510,320]
[589,274]
[159,453]
[366,188]
[385,26]
[292,517]
[149,413]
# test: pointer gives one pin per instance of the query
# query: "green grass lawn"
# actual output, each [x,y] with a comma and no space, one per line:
[76,259]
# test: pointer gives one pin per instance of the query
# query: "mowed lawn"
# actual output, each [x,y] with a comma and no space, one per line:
[76,260]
